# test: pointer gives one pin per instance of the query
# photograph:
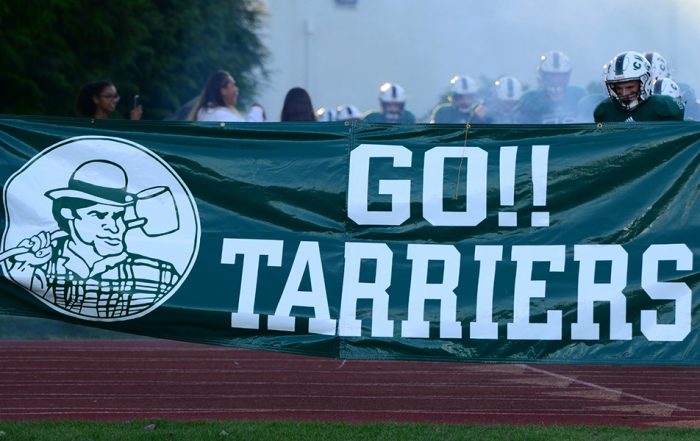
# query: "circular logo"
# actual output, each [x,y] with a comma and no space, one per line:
[99,228]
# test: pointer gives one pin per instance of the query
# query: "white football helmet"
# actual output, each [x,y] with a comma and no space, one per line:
[463,92]
[629,66]
[326,114]
[554,62]
[553,74]
[348,112]
[508,89]
[666,86]
[392,99]
[463,85]
[659,66]
[392,93]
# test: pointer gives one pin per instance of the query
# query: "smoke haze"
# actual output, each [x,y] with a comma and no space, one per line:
[342,54]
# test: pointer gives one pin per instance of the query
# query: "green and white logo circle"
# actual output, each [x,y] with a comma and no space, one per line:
[99,228]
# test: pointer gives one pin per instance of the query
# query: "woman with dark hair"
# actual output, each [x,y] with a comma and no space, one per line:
[297,106]
[99,99]
[219,99]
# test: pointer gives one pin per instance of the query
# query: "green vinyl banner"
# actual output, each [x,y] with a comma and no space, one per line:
[570,243]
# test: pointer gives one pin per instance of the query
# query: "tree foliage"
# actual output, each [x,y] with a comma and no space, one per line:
[163,50]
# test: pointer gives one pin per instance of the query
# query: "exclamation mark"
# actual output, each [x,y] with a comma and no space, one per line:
[507,186]
[540,160]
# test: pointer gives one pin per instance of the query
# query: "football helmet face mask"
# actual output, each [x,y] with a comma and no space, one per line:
[627,68]
[553,74]
[659,66]
[392,99]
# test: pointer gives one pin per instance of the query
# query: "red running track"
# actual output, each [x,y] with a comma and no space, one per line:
[120,380]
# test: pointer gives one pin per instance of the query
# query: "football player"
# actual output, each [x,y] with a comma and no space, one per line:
[659,66]
[348,112]
[666,86]
[555,102]
[629,85]
[463,104]
[392,99]
[504,108]
[325,114]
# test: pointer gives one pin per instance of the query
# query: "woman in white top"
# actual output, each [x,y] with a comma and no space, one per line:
[218,102]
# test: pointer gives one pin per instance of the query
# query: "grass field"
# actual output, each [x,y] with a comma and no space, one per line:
[278,431]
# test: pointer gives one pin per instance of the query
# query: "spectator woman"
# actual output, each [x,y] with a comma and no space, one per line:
[99,99]
[297,106]
[219,99]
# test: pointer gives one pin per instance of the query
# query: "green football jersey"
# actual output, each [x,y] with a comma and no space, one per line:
[654,108]
[450,114]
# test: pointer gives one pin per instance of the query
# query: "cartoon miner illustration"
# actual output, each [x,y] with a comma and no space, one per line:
[84,267]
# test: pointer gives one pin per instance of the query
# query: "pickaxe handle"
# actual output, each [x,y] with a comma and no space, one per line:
[19,250]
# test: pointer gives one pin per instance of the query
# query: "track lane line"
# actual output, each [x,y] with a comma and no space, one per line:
[604,388]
